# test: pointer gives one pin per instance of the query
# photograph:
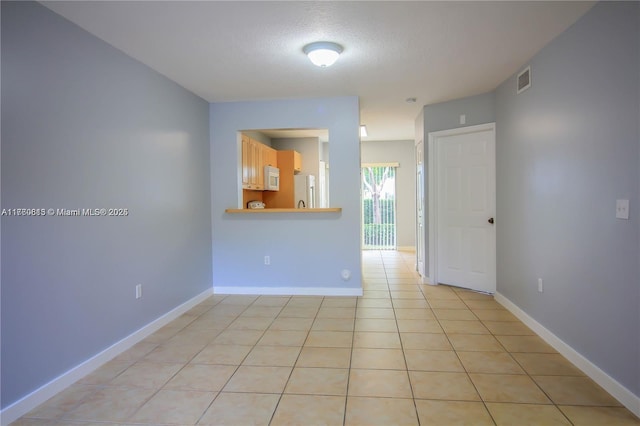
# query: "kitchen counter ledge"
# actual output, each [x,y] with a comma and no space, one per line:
[267,210]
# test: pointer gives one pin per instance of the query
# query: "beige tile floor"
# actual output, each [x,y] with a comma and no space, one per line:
[403,354]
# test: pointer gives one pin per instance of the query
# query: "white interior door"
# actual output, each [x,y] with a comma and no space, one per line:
[420,230]
[465,207]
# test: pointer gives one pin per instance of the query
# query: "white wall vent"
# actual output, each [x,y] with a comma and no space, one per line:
[524,80]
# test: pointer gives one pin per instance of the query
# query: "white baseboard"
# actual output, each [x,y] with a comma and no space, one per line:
[618,391]
[290,291]
[427,280]
[42,394]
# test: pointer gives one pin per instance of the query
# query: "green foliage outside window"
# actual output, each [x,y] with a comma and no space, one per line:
[379,235]
[387,211]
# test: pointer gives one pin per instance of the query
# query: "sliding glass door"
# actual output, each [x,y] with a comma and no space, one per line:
[378,207]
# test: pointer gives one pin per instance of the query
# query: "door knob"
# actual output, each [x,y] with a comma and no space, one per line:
[490,220]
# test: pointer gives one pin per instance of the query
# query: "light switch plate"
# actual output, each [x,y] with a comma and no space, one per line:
[622,209]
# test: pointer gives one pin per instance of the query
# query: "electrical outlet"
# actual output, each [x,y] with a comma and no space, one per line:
[463,119]
[267,260]
[622,209]
[540,286]
[138,291]
[345,274]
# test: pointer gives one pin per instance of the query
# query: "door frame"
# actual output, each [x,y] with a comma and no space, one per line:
[421,240]
[432,188]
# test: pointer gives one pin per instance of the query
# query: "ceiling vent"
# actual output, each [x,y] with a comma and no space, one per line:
[524,80]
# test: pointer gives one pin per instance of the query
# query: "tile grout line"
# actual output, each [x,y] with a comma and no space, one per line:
[484,403]
[526,373]
[353,334]
[275,409]
[455,351]
[177,372]
[133,414]
[107,386]
[237,366]
[404,356]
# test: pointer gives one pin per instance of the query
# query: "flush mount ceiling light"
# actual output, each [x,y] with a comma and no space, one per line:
[363,131]
[323,53]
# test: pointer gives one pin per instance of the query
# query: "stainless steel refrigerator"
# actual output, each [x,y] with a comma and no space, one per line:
[304,191]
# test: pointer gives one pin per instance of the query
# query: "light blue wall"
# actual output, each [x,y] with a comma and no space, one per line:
[85,126]
[567,148]
[477,109]
[306,250]
[402,152]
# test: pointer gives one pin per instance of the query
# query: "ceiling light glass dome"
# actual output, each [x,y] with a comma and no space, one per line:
[323,53]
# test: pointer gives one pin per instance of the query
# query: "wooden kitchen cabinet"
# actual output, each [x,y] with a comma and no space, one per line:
[246,164]
[252,164]
[270,156]
[257,177]
[255,156]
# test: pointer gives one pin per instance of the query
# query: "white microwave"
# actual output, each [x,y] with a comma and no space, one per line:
[271,178]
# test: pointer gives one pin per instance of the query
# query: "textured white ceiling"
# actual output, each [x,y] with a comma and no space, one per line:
[236,51]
